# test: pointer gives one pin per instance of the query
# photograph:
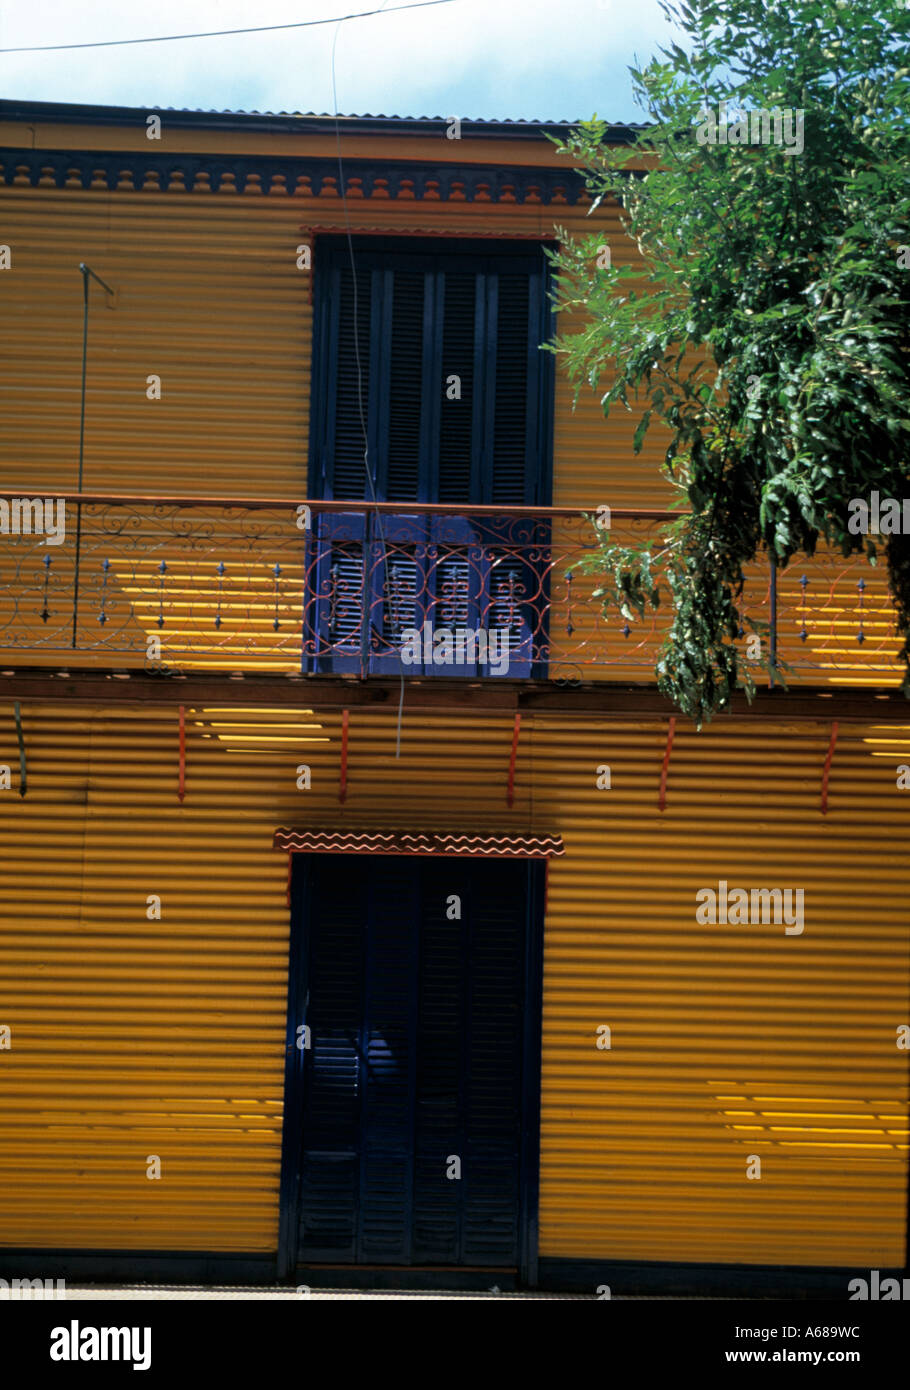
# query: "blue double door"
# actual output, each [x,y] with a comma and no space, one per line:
[412,989]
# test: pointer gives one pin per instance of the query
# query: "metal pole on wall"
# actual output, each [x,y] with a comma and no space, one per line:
[85,271]
[773,666]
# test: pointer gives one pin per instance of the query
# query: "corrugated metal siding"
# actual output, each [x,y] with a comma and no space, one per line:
[593,459]
[133,1037]
[210,299]
[727,1041]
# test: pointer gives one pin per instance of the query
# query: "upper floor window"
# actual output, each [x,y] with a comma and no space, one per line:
[455,392]
[430,349]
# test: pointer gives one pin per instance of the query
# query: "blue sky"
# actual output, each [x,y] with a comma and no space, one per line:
[531,59]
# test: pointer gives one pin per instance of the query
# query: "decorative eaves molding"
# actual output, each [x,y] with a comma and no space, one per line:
[313,178]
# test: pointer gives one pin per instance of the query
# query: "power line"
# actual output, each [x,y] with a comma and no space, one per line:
[220,33]
[367,619]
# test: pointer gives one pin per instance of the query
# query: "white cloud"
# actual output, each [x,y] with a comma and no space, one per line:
[490,58]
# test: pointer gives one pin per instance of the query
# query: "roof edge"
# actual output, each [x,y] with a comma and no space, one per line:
[308,124]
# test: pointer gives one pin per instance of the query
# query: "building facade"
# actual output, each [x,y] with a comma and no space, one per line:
[368,915]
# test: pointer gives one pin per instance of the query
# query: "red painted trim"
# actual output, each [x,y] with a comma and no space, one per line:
[405,843]
[510,790]
[662,798]
[391,231]
[343,780]
[181,776]
[827,768]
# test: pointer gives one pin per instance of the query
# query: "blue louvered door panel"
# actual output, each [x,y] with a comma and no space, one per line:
[387,1107]
[412,1083]
[334,1075]
[493,1063]
[439,1132]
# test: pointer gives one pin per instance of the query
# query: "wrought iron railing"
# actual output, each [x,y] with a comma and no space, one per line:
[196,583]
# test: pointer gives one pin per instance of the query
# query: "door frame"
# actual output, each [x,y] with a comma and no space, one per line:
[531,1032]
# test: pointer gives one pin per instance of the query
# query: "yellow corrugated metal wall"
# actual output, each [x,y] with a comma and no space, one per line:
[210,299]
[727,1041]
[133,1037]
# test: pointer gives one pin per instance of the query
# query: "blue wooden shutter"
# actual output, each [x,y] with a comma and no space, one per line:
[357,1176]
[389,1061]
[469,1063]
[333,1079]
[457,477]
[422,317]
[355,372]
[494,948]
[515,466]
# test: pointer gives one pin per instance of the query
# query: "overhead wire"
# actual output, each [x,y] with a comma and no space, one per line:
[363,427]
[223,33]
[271,28]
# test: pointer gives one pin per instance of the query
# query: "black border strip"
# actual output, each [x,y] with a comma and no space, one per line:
[139,1266]
[642,1279]
[625,1279]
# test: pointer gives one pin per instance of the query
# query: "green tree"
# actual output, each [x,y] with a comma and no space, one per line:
[768,325]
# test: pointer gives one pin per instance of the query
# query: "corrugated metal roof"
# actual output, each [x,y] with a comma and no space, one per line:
[71,111]
[370,116]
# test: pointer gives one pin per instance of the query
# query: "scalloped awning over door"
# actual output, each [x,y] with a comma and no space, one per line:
[401,842]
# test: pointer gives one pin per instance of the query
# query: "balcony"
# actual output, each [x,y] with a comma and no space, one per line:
[199,585]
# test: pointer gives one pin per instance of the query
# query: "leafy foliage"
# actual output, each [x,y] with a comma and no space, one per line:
[767,323]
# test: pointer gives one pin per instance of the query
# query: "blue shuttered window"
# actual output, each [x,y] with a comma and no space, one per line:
[433,352]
